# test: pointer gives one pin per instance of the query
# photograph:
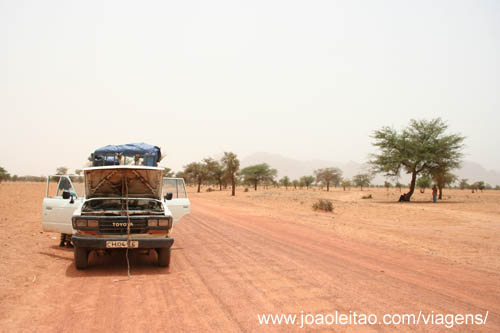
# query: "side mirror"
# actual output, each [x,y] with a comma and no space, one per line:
[169,196]
[66,195]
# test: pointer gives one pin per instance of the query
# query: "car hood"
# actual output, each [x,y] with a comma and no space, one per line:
[123,181]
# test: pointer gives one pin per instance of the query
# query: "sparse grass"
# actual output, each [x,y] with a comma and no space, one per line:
[324,205]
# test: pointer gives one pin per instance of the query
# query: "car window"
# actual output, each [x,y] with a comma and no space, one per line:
[175,186]
[58,184]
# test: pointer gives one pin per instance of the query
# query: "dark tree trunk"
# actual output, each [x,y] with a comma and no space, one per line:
[412,185]
[440,188]
[255,185]
[199,185]
[233,186]
[328,187]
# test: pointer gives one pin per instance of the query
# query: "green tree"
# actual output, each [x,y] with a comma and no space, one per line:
[328,176]
[463,183]
[215,171]
[399,185]
[198,172]
[258,173]
[167,172]
[362,180]
[62,171]
[231,166]
[442,179]
[478,186]
[387,185]
[419,148]
[295,183]
[4,175]
[307,181]
[423,182]
[78,171]
[346,183]
[285,181]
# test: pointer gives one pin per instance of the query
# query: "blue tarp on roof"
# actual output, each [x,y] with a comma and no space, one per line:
[151,154]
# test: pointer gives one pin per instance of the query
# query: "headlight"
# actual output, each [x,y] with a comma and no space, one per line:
[163,223]
[153,223]
[93,223]
[81,223]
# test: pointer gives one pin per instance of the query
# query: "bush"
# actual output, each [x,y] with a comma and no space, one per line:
[246,189]
[369,196]
[210,189]
[323,204]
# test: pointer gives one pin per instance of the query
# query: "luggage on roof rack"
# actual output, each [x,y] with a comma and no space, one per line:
[142,153]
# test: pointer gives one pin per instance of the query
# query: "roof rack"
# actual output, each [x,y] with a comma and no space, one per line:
[138,154]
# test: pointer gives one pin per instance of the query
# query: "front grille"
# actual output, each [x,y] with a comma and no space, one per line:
[119,226]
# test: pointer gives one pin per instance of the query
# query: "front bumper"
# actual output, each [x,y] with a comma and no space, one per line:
[100,243]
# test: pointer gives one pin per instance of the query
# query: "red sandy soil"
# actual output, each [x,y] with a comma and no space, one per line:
[261,252]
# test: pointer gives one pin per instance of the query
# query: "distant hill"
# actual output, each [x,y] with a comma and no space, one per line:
[297,168]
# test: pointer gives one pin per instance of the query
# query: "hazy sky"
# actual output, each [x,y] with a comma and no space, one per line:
[306,79]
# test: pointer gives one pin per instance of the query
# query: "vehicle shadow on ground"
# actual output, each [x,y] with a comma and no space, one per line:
[115,265]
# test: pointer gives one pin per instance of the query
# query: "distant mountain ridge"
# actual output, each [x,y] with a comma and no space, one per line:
[296,168]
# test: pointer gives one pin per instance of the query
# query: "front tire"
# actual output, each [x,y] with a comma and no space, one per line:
[81,257]
[163,257]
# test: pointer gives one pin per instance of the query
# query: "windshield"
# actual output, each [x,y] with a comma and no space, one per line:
[121,205]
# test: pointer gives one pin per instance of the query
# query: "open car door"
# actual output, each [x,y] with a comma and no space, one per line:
[175,197]
[59,204]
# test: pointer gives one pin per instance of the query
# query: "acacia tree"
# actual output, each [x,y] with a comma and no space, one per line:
[307,181]
[362,180]
[463,184]
[346,183]
[328,176]
[442,179]
[198,172]
[285,181]
[423,182]
[295,183]
[258,173]
[387,185]
[215,171]
[167,172]
[4,175]
[419,148]
[231,166]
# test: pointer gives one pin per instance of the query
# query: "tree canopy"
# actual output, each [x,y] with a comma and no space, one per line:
[196,171]
[258,173]
[307,181]
[328,176]
[421,147]
[231,166]
[362,180]
[4,175]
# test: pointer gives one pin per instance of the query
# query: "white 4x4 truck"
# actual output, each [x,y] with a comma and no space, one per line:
[123,207]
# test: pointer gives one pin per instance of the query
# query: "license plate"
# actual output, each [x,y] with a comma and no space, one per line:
[121,244]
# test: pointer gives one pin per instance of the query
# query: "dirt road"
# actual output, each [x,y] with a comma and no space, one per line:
[228,266]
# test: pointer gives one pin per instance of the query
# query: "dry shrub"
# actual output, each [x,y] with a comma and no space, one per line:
[369,196]
[324,205]
[246,189]
[210,189]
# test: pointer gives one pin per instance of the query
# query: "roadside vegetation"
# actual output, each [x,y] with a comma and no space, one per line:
[424,150]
